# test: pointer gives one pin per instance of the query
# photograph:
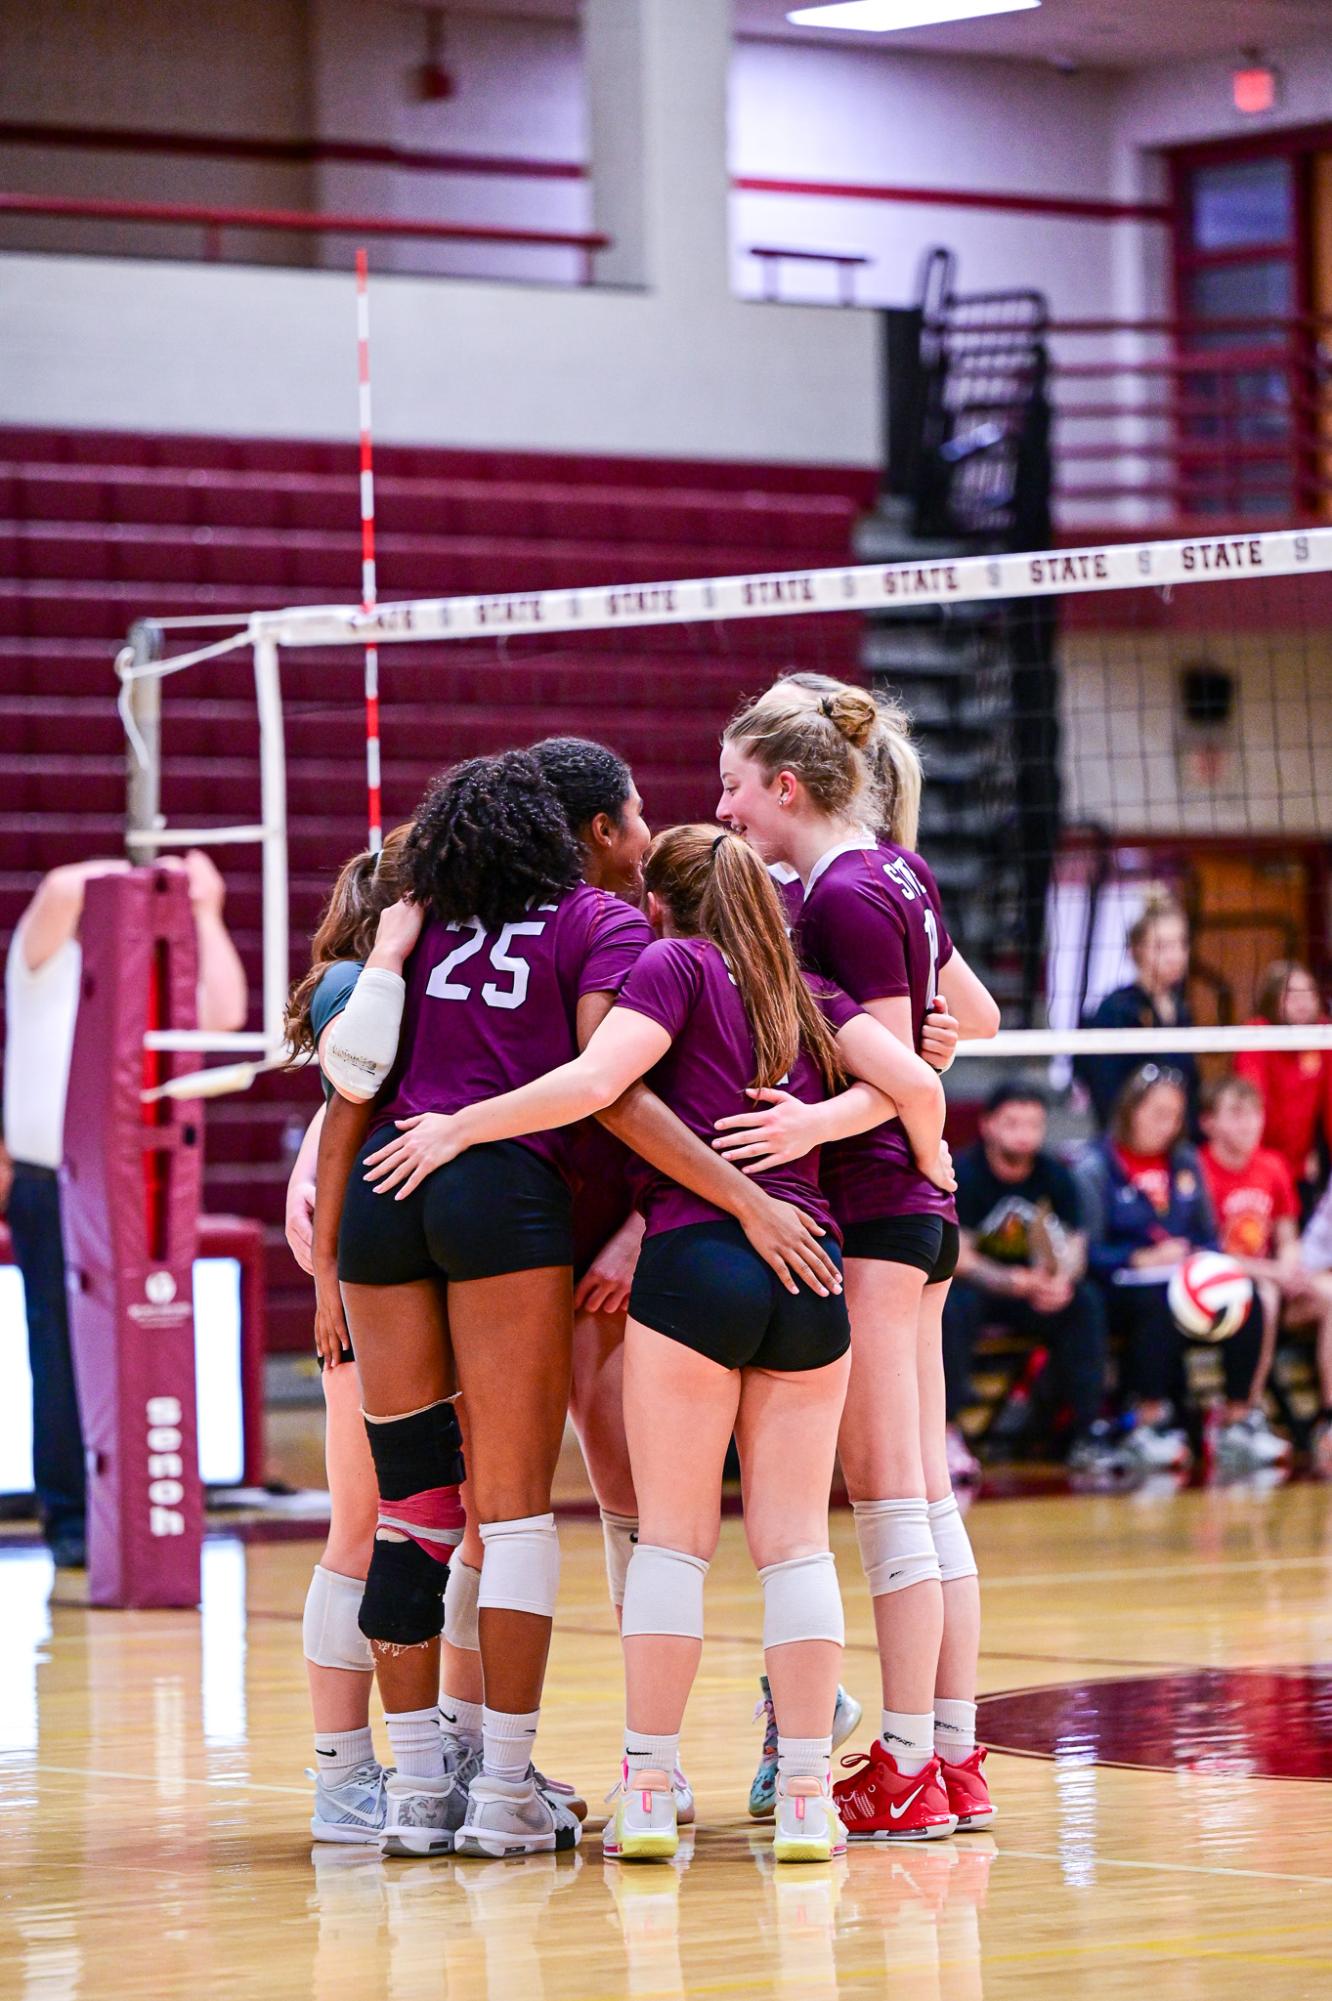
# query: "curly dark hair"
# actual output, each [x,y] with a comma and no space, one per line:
[490,839]
[587,778]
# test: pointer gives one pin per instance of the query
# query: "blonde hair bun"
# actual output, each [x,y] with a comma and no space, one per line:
[854,714]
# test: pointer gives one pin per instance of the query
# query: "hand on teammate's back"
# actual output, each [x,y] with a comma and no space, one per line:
[606,1284]
[398,929]
[781,1127]
[942,1173]
[788,1240]
[428,1141]
[939,1036]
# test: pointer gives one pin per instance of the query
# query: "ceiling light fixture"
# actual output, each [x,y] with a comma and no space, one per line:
[886,17]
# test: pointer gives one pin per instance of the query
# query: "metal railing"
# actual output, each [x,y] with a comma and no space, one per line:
[215,221]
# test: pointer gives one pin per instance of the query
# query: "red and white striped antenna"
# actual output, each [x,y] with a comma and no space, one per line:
[375,837]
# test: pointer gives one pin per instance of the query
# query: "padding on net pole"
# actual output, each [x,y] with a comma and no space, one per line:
[130,1201]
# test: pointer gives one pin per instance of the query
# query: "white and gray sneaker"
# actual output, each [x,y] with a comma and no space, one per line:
[513,1817]
[1155,1448]
[1250,1444]
[423,1815]
[352,1809]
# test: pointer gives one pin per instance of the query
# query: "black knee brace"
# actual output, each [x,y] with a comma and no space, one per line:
[403,1604]
[413,1454]
[419,1468]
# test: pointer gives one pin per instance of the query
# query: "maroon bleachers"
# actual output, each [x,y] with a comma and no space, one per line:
[100,528]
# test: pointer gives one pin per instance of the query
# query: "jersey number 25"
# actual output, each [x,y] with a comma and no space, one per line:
[443,985]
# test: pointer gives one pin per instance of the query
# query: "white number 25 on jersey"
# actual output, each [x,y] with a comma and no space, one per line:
[444,986]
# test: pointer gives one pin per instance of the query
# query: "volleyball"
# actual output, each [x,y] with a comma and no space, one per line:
[1210,1296]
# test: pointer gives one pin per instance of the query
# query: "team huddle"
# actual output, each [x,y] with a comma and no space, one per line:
[646,1132]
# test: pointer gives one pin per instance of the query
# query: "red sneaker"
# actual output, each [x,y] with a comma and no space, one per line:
[879,1803]
[968,1791]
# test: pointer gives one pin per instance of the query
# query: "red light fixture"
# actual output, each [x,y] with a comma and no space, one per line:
[1255,86]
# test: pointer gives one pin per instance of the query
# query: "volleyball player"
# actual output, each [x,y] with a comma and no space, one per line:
[796,781]
[349,1781]
[712,1345]
[597,791]
[493,842]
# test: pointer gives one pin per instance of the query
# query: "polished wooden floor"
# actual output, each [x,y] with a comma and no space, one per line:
[154,1840]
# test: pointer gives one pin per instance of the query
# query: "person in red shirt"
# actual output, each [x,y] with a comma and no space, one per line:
[1294,1085]
[1257,1214]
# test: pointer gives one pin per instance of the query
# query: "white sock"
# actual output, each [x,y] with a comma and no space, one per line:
[805,1758]
[418,1748]
[339,1752]
[507,1743]
[909,1738]
[461,1720]
[954,1729]
[645,1753]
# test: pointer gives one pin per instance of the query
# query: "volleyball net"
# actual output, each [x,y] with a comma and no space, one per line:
[1095,723]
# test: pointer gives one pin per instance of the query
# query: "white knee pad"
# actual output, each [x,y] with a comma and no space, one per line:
[801,1600]
[952,1544]
[521,1572]
[461,1628]
[896,1546]
[663,1593]
[620,1534]
[330,1635]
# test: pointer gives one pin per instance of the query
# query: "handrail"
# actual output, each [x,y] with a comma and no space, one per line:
[214,219]
[848,262]
[285,152]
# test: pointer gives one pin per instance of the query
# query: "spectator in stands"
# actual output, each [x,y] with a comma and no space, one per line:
[1022,1265]
[1146,1208]
[1257,1221]
[42,977]
[1295,1085]
[1316,1262]
[1158,943]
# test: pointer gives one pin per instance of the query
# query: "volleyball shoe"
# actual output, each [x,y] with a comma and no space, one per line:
[763,1792]
[806,1824]
[644,1826]
[969,1792]
[355,1809]
[879,1803]
[507,1817]
[422,1816]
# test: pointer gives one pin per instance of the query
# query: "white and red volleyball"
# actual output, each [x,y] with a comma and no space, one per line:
[1210,1296]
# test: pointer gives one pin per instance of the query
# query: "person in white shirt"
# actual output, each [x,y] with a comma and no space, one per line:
[42,978]
[1313,1303]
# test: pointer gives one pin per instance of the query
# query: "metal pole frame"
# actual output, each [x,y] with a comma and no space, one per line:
[146,834]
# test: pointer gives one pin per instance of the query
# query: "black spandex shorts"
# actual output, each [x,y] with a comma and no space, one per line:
[707,1287]
[493,1210]
[927,1243]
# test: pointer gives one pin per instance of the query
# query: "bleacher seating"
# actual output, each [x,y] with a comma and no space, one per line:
[100,528]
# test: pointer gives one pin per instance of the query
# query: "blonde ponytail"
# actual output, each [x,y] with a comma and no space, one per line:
[882,734]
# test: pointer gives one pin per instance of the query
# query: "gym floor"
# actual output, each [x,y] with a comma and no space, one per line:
[1160,1675]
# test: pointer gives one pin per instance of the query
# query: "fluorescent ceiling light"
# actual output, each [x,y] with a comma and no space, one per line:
[883,17]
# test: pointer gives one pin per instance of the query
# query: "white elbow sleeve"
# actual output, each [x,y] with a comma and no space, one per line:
[362,1043]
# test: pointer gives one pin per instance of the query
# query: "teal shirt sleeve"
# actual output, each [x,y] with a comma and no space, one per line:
[329,999]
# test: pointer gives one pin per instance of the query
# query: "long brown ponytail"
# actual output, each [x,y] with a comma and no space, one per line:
[364,887]
[715,887]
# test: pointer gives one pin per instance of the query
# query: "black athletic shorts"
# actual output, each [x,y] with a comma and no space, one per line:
[927,1243]
[707,1287]
[493,1210]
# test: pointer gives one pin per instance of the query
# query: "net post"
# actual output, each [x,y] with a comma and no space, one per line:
[273,812]
[130,1207]
[143,720]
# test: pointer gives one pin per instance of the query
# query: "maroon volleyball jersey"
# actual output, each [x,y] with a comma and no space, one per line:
[488,1009]
[872,922]
[683,984]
